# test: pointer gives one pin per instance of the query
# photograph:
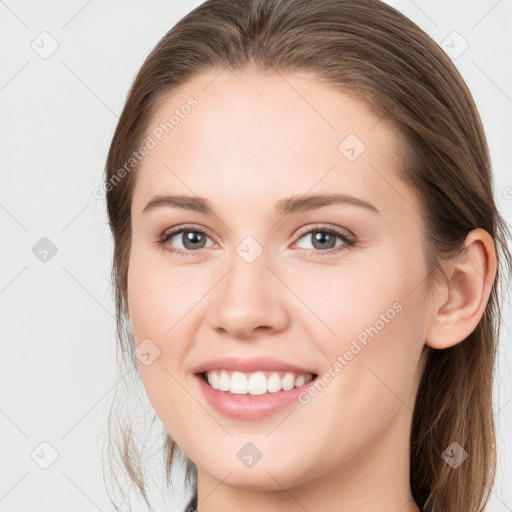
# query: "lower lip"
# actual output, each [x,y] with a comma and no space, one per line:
[247,407]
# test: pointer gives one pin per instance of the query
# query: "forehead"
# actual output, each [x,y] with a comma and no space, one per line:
[257,134]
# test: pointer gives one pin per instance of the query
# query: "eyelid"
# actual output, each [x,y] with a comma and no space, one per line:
[302,231]
[324,227]
[185,227]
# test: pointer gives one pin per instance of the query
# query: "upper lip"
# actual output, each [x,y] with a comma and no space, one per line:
[249,365]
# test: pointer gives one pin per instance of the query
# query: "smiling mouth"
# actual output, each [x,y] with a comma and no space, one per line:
[255,383]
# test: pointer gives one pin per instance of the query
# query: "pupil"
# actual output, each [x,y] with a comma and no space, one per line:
[320,236]
[191,237]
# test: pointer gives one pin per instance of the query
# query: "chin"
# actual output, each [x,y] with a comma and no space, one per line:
[271,475]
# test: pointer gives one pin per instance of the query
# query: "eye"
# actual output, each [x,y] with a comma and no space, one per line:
[189,237]
[324,240]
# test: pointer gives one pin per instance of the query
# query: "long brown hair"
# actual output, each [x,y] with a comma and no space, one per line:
[370,49]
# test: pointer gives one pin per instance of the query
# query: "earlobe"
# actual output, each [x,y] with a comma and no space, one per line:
[463,297]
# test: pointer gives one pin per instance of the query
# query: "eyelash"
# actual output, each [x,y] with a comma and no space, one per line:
[348,240]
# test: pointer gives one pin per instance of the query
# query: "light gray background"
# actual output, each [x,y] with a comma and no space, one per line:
[58,114]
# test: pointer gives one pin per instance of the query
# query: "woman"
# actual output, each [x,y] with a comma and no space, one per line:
[307,258]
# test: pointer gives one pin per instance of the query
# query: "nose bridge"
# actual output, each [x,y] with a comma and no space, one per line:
[248,262]
[248,296]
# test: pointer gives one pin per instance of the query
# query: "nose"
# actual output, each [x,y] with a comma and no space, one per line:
[249,301]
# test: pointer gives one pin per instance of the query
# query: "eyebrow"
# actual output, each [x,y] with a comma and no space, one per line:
[285,206]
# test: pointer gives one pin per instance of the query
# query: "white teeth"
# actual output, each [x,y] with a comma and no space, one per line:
[214,380]
[274,383]
[300,380]
[224,381]
[288,381]
[256,383]
[238,383]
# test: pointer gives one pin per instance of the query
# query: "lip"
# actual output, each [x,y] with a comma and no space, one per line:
[251,364]
[245,407]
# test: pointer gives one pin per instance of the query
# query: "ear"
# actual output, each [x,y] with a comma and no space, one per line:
[461,301]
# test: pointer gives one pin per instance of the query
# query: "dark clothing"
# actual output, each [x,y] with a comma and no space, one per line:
[192,505]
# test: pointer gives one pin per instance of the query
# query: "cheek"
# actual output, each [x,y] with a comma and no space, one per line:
[372,326]
[350,297]
[158,317]
[158,300]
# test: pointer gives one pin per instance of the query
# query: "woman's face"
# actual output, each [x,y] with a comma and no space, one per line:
[265,275]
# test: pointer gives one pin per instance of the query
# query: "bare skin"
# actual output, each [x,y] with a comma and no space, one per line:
[252,141]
